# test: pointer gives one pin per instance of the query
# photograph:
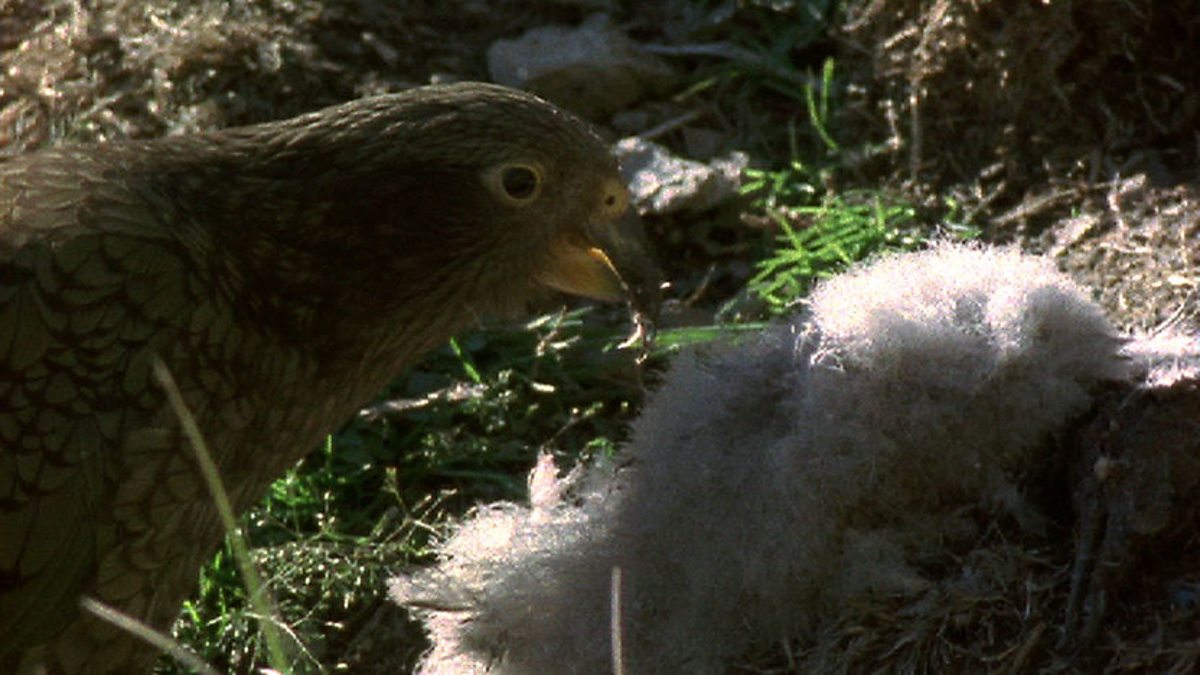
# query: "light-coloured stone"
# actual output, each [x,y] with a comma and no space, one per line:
[594,69]
[664,183]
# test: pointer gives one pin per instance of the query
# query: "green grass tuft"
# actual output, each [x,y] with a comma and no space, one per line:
[462,428]
[836,234]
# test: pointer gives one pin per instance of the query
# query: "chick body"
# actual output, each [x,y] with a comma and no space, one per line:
[772,480]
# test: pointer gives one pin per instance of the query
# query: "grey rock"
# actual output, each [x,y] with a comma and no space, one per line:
[594,69]
[663,183]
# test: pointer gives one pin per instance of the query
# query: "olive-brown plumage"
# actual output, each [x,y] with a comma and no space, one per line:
[284,273]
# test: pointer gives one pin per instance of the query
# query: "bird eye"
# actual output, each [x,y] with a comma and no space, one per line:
[520,182]
[516,184]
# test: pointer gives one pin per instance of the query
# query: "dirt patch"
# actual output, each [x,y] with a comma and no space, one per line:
[1011,95]
[1068,126]
[117,69]
[1139,246]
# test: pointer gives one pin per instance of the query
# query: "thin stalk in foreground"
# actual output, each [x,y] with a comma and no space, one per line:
[260,599]
[162,642]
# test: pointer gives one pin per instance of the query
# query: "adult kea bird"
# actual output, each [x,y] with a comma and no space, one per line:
[284,273]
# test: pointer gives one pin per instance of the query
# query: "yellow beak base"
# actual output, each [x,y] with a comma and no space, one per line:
[581,269]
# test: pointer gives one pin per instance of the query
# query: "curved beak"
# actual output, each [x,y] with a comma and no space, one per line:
[605,262]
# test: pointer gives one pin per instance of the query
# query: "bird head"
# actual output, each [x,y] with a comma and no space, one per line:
[469,196]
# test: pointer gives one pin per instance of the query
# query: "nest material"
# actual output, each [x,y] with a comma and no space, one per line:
[1006,95]
[98,69]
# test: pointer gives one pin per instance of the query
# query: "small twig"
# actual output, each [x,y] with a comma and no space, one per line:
[670,125]
[740,55]
[1182,314]
[618,642]
[916,94]
[701,288]
[260,598]
[720,50]
[1034,206]
[455,393]
[1020,661]
[158,640]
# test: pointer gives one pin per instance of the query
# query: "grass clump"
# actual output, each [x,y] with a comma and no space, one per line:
[839,233]
[462,428]
[821,229]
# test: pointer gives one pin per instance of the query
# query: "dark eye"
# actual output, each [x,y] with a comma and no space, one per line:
[517,183]
[520,182]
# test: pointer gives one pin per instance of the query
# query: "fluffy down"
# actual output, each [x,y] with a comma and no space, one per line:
[772,480]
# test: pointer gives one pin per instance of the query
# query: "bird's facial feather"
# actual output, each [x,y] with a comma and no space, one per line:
[464,196]
[549,186]
[577,261]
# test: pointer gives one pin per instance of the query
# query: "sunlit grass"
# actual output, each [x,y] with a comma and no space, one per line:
[463,427]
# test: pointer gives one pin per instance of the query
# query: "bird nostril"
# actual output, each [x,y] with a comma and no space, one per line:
[616,198]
